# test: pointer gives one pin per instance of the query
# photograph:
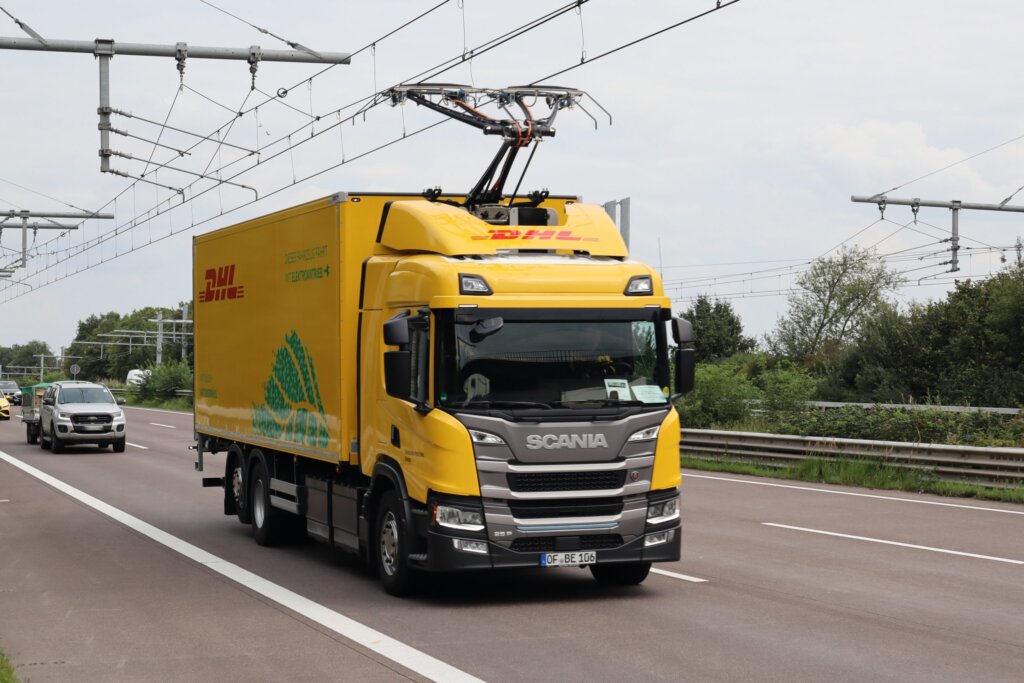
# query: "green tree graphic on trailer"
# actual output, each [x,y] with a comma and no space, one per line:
[293,410]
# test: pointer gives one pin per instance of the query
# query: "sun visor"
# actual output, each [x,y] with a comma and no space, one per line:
[432,227]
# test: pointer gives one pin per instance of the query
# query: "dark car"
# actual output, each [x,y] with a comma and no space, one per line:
[11,390]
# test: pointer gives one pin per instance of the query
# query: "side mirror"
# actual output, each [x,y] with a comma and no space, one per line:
[396,331]
[121,401]
[686,366]
[48,401]
[397,378]
[682,331]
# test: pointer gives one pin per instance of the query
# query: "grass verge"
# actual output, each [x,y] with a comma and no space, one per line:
[6,670]
[180,404]
[864,473]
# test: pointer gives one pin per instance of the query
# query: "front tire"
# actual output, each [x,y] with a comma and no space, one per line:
[392,546]
[56,445]
[626,574]
[118,445]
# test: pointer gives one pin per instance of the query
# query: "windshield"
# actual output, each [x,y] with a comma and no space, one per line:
[490,361]
[85,395]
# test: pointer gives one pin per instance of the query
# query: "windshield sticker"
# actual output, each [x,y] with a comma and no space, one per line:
[618,389]
[649,393]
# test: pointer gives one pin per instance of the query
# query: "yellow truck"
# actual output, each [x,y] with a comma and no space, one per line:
[439,389]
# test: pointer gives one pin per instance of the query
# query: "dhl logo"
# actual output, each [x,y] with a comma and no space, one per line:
[220,285]
[513,234]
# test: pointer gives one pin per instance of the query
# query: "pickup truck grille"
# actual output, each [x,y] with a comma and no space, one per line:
[92,419]
[535,482]
[546,544]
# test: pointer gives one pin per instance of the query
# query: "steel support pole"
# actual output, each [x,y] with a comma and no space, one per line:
[954,245]
[104,49]
[194,51]
[882,199]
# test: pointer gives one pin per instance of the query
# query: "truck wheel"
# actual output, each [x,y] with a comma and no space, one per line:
[31,435]
[42,437]
[392,547]
[56,445]
[238,483]
[266,520]
[627,574]
[118,445]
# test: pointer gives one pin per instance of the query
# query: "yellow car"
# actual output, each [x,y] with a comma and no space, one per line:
[5,408]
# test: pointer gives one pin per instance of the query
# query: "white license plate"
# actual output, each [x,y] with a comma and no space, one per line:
[567,559]
[91,428]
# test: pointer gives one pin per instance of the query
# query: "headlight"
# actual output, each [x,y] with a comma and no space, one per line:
[61,416]
[486,438]
[646,434]
[663,511]
[458,518]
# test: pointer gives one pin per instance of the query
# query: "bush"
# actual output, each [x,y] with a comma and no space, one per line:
[785,389]
[162,382]
[720,395]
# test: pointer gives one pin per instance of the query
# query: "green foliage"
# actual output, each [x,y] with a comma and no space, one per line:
[913,426]
[720,395]
[293,410]
[23,356]
[54,376]
[116,360]
[785,388]
[717,330]
[834,297]
[161,383]
[6,670]
[968,349]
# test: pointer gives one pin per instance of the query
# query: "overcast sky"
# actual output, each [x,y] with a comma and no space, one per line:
[739,137]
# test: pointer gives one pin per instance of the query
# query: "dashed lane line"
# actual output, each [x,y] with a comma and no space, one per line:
[896,543]
[857,495]
[135,445]
[157,424]
[373,640]
[674,575]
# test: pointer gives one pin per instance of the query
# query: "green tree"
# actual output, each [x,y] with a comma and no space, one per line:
[26,355]
[717,330]
[834,297]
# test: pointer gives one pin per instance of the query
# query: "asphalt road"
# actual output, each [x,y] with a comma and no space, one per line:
[801,582]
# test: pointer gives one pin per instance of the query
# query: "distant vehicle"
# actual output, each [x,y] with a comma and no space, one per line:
[137,377]
[30,406]
[11,391]
[5,408]
[76,413]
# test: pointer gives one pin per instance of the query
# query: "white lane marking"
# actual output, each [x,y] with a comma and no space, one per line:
[902,545]
[859,495]
[5,500]
[160,410]
[684,577]
[373,640]
[157,424]
[135,445]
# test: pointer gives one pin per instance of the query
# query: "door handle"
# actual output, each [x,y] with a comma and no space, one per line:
[396,437]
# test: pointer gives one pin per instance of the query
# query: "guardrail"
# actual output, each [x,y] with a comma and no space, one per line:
[995,467]
[914,406]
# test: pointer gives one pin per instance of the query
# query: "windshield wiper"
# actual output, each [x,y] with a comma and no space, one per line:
[506,404]
[605,402]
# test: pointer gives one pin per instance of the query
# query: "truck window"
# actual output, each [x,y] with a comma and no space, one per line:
[419,352]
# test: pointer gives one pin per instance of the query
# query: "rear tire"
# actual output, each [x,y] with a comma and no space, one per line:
[626,574]
[239,486]
[391,547]
[266,519]
[31,435]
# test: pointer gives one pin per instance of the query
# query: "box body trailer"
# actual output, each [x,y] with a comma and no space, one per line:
[439,389]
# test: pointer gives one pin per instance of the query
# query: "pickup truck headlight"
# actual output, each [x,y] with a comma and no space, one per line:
[61,416]
[663,511]
[458,518]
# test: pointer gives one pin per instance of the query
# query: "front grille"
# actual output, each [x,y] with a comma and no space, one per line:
[546,544]
[92,419]
[85,429]
[574,507]
[536,482]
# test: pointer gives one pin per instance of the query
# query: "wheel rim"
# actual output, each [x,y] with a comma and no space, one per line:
[389,544]
[236,485]
[258,511]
